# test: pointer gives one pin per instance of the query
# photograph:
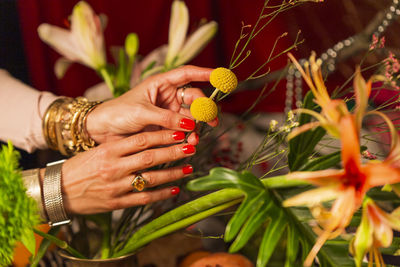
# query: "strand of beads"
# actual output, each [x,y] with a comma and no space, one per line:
[329,58]
[294,88]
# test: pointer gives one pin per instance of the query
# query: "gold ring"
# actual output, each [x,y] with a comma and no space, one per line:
[138,182]
[183,105]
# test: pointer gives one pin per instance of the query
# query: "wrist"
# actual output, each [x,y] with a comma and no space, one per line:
[64,125]
[92,123]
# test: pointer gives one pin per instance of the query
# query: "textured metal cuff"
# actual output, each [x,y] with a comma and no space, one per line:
[52,194]
[33,189]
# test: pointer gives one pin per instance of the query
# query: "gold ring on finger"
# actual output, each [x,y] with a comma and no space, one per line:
[138,182]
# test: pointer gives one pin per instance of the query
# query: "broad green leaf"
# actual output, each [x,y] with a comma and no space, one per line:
[271,237]
[321,163]
[223,178]
[301,146]
[293,241]
[251,226]
[248,208]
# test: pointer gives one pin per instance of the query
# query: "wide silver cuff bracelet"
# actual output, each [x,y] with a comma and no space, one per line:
[52,194]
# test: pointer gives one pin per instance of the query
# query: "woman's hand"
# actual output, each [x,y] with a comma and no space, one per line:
[99,180]
[156,101]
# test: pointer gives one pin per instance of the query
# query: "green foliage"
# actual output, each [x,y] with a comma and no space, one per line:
[18,212]
[302,146]
[262,206]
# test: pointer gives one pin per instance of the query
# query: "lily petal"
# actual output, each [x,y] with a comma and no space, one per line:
[350,144]
[87,31]
[362,91]
[177,30]
[61,40]
[313,197]
[380,174]
[320,178]
[304,128]
[61,66]
[383,233]
[196,42]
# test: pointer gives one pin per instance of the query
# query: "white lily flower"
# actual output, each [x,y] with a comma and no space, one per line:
[84,43]
[180,49]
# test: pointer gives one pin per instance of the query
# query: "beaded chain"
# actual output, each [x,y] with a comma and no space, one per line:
[293,77]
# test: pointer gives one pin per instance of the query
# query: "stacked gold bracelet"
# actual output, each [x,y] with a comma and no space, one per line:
[64,125]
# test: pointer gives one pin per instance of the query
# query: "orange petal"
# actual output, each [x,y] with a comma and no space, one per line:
[362,91]
[344,208]
[394,155]
[320,178]
[379,174]
[313,197]
[383,234]
[350,142]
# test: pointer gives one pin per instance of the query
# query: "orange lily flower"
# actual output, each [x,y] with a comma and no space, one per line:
[348,185]
[332,109]
[374,231]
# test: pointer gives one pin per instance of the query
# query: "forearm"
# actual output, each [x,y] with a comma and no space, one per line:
[22,109]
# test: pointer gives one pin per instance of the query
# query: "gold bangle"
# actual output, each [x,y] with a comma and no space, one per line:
[64,125]
[31,181]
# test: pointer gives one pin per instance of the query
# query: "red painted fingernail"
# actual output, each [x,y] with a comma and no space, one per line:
[187,169]
[197,138]
[178,135]
[187,124]
[188,149]
[175,190]
[217,120]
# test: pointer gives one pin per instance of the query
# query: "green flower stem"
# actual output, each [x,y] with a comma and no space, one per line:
[281,182]
[107,79]
[106,242]
[60,243]
[175,226]
[214,94]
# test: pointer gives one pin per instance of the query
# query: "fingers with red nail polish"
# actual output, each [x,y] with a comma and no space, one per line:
[188,169]
[187,124]
[179,136]
[175,190]
[188,149]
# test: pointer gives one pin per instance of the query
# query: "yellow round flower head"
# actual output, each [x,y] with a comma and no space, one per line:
[204,109]
[223,79]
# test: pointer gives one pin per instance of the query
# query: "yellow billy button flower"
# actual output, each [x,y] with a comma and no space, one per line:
[223,79]
[204,109]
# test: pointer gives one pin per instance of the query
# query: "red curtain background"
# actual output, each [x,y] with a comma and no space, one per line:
[322,26]
[150,20]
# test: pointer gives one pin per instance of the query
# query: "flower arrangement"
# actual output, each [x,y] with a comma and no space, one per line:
[333,208]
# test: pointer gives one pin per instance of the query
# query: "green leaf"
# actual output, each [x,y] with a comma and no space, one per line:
[321,163]
[293,241]
[271,237]
[249,207]
[251,226]
[28,239]
[301,146]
